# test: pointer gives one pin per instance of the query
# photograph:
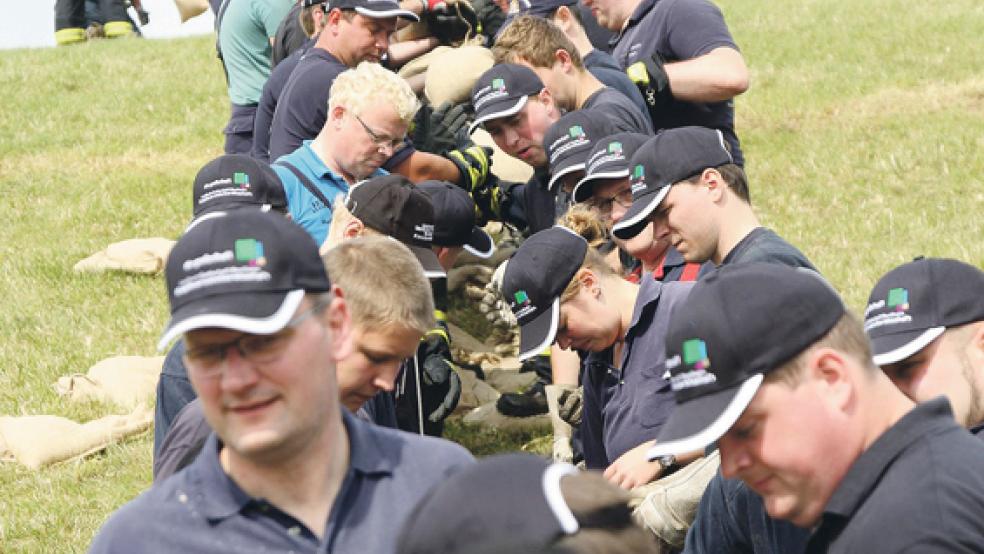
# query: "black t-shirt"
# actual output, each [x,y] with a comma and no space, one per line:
[623,114]
[303,106]
[764,245]
[918,488]
[602,65]
[288,38]
[269,99]
[681,30]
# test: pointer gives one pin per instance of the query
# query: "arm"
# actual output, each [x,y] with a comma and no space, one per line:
[717,76]
[421,166]
[402,52]
[632,470]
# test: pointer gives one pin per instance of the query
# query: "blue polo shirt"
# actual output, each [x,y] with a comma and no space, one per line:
[625,407]
[305,208]
[201,509]
[680,30]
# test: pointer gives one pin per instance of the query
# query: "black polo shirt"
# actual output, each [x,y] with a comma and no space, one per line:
[764,245]
[918,488]
[623,114]
[272,90]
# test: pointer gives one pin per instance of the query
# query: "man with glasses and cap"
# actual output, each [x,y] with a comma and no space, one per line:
[767,363]
[287,469]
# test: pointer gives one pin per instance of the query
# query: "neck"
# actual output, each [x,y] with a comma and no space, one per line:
[623,294]
[587,85]
[295,485]
[321,150]
[887,407]
[739,220]
[327,43]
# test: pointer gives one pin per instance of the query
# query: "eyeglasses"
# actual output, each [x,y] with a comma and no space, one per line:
[378,139]
[605,205]
[260,349]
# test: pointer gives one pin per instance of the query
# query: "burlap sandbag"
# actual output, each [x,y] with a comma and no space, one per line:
[504,166]
[452,73]
[128,381]
[418,65]
[190,8]
[40,440]
[134,255]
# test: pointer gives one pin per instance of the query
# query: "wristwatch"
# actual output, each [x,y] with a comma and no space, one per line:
[666,461]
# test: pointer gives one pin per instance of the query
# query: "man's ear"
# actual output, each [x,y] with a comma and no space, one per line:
[547,100]
[562,18]
[714,182]
[332,19]
[353,228]
[975,349]
[835,375]
[338,320]
[563,57]
[588,280]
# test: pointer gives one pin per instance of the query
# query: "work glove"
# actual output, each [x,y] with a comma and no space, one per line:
[439,130]
[650,77]
[490,15]
[473,164]
[455,23]
[441,385]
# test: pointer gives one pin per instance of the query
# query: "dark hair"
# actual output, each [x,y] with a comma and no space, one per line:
[734,176]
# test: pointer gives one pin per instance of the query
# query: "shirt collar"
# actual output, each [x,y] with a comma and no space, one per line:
[319,168]
[370,452]
[923,420]
[216,494]
[646,301]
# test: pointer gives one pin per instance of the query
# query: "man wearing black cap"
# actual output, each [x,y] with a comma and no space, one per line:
[767,363]
[228,182]
[568,142]
[287,468]
[454,224]
[925,320]
[686,181]
[682,57]
[392,206]
[540,45]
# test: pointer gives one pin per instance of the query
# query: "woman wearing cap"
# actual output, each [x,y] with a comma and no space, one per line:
[561,290]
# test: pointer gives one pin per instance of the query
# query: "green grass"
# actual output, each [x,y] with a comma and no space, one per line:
[862,130]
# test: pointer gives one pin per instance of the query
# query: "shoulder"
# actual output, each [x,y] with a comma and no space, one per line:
[147,520]
[417,453]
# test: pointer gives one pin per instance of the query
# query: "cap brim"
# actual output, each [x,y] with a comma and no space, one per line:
[428,260]
[889,349]
[540,332]
[382,14]
[584,189]
[699,422]
[637,217]
[561,171]
[499,111]
[258,313]
[480,244]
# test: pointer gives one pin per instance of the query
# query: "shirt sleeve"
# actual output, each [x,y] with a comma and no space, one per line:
[694,28]
[269,14]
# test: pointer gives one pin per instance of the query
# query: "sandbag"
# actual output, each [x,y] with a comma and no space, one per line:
[452,73]
[190,8]
[145,256]
[128,381]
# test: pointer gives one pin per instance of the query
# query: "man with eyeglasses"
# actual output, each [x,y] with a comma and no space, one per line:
[607,189]
[368,115]
[287,468]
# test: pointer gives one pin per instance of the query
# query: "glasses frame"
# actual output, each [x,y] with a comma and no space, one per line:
[376,138]
[605,205]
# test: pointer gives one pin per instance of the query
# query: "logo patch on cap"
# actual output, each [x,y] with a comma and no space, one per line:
[240,179]
[249,251]
[615,148]
[695,359]
[638,178]
[576,131]
[499,85]
[521,297]
[424,232]
[898,299]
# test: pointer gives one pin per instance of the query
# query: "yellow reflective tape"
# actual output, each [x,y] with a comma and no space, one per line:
[439,331]
[440,316]
[638,74]
[69,36]
[115,29]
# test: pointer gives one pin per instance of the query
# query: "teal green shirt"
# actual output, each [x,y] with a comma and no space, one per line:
[244,36]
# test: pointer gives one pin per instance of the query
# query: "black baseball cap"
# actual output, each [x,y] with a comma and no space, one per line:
[245,270]
[569,140]
[502,91]
[670,157]
[376,9]
[391,205]
[454,216]
[535,277]
[235,180]
[739,323]
[510,499]
[608,159]
[538,8]
[915,302]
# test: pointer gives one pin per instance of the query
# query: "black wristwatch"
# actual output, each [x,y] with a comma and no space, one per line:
[666,461]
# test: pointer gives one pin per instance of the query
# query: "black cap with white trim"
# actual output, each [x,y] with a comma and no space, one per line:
[535,277]
[915,302]
[454,216]
[235,180]
[670,157]
[376,9]
[502,91]
[608,159]
[739,323]
[244,270]
[512,499]
[392,205]
[569,140]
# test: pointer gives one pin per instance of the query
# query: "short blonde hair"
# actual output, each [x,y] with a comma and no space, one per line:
[369,85]
[382,282]
[534,40]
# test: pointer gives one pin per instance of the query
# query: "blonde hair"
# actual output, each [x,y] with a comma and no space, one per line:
[397,293]
[534,40]
[584,221]
[369,85]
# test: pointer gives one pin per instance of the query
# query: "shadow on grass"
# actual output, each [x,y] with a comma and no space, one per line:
[485,441]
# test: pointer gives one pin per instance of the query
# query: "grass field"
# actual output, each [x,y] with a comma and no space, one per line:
[863,130]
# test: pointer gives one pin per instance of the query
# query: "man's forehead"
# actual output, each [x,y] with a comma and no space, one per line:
[517,118]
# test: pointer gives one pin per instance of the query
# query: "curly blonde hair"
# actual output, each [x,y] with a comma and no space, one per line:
[369,85]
